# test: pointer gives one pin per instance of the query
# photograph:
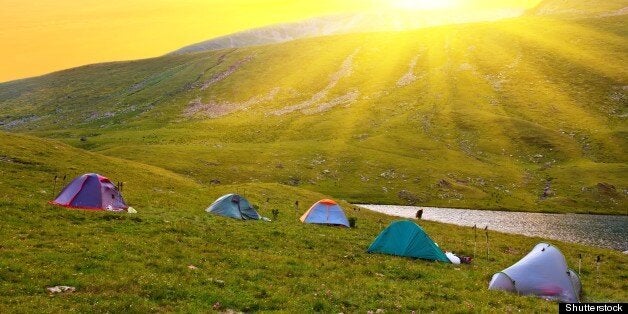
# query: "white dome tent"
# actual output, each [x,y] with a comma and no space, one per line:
[543,272]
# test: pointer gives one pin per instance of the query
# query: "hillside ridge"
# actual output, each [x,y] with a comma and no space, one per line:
[522,114]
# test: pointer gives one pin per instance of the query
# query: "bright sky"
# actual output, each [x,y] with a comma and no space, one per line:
[41,36]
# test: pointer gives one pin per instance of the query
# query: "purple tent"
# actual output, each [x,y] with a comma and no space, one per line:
[91,191]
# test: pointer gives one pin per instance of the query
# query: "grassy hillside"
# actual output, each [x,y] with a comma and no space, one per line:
[28,167]
[525,114]
[581,8]
[172,256]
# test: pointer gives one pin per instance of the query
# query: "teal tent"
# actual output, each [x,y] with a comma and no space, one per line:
[405,238]
[234,206]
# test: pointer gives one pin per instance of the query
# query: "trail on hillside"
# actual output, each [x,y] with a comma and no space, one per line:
[214,109]
[316,104]
[226,73]
[410,76]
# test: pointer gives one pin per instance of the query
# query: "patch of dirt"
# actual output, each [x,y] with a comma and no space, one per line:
[409,197]
[17,122]
[18,161]
[98,115]
[215,109]
[444,184]
[345,99]
[606,189]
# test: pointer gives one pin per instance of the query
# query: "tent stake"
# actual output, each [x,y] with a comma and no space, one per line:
[487,245]
[54,185]
[475,240]
[597,270]
[579,263]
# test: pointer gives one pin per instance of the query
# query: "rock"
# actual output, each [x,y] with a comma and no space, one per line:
[547,191]
[388,174]
[444,184]
[60,289]
[606,189]
[216,306]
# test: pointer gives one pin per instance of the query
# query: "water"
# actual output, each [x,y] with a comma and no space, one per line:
[597,230]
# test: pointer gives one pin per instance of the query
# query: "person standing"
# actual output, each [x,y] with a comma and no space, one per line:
[419,213]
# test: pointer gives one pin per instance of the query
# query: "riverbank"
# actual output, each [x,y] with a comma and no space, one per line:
[598,230]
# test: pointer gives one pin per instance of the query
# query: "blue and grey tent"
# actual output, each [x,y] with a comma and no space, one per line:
[326,212]
[543,272]
[406,238]
[234,206]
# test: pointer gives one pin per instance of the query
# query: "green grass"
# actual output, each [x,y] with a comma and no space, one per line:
[139,263]
[497,110]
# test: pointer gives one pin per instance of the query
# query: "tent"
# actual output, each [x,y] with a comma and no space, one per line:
[543,272]
[234,206]
[326,212]
[91,191]
[406,238]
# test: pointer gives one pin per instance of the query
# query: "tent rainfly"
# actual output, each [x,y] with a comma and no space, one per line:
[326,212]
[234,206]
[91,191]
[543,272]
[406,238]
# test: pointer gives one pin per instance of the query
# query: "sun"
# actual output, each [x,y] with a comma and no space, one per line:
[423,4]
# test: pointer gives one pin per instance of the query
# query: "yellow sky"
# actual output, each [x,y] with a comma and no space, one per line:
[41,36]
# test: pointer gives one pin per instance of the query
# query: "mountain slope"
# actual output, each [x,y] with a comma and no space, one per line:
[525,114]
[581,8]
[387,20]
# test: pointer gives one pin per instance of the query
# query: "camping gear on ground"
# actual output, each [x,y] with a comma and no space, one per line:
[466,259]
[91,191]
[406,238]
[543,272]
[234,206]
[326,212]
[453,258]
